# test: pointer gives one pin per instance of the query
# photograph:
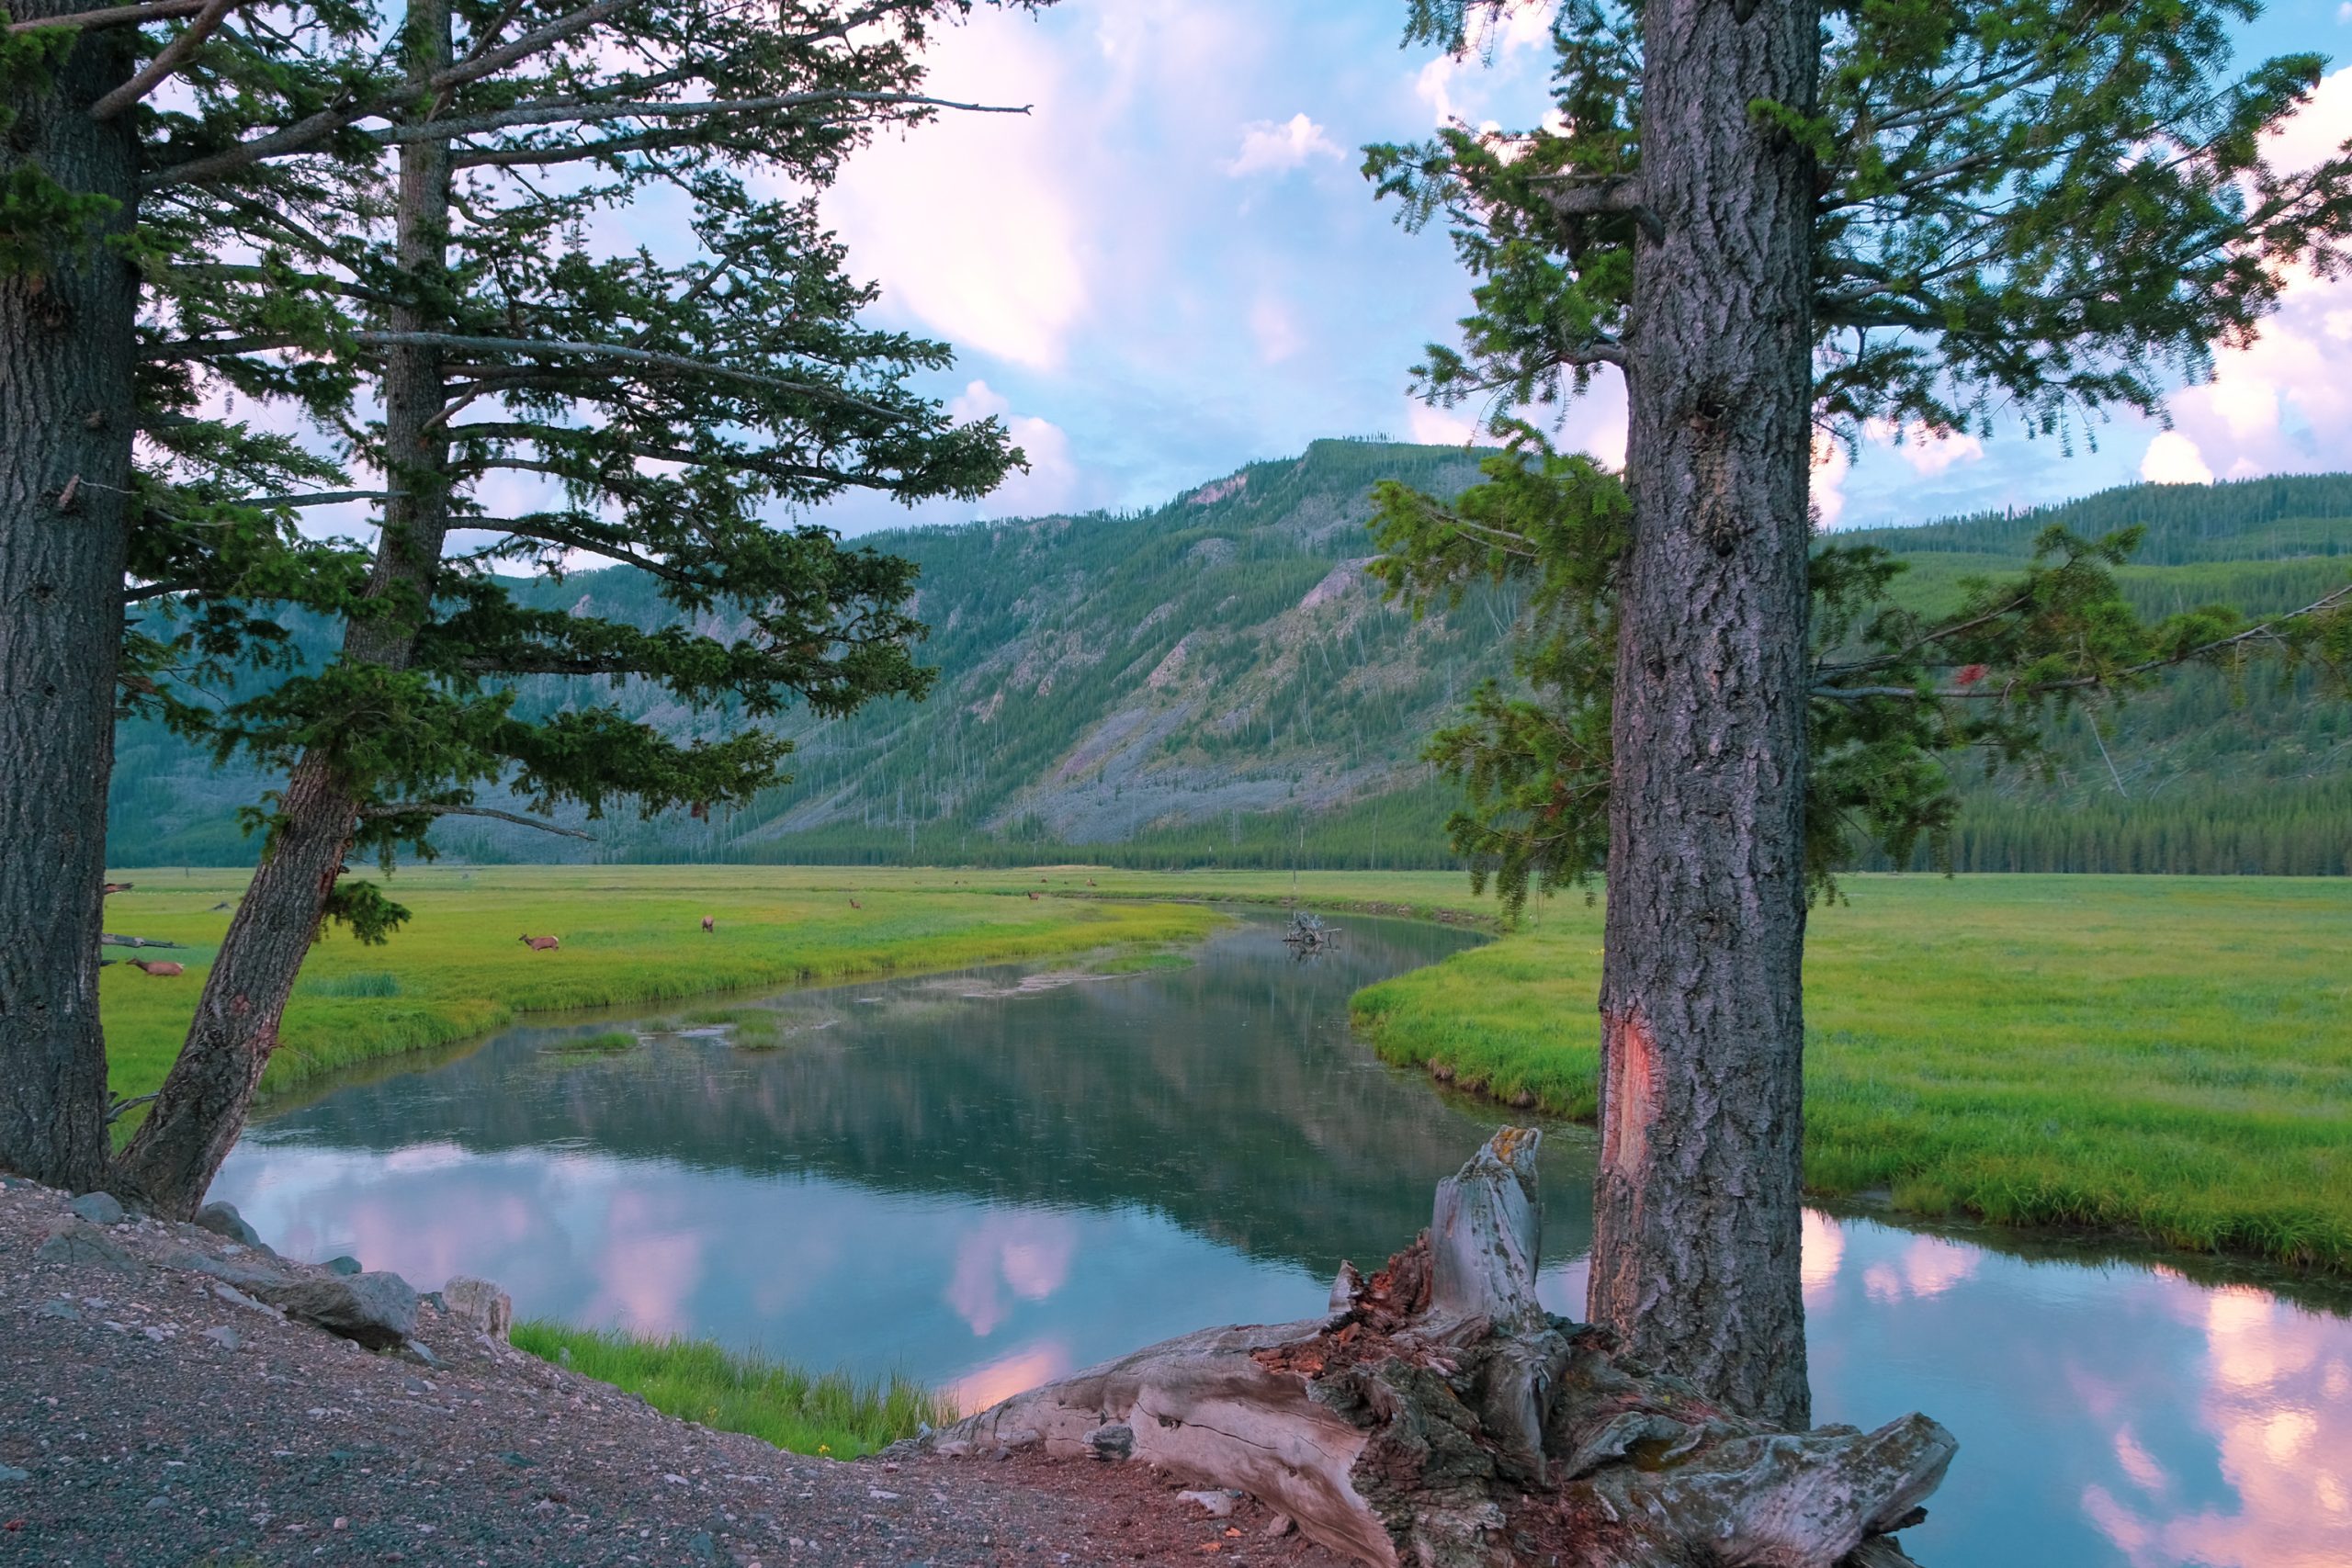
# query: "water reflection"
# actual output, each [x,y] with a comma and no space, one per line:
[988,1184]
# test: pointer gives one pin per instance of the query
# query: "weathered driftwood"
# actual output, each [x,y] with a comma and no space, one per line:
[1439,1418]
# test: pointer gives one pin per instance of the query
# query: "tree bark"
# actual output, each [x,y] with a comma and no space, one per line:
[1696,1219]
[66,416]
[1439,1413]
[201,1110]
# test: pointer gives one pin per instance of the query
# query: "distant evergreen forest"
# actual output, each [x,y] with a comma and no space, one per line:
[1213,682]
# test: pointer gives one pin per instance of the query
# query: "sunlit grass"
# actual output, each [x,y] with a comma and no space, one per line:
[830,1414]
[2160,1056]
[632,937]
[605,1042]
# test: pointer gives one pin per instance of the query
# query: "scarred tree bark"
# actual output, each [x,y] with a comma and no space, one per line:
[66,411]
[1696,1219]
[201,1110]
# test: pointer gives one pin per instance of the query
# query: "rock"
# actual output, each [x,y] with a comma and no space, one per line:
[65,1310]
[252,1278]
[10,1472]
[1278,1527]
[376,1310]
[346,1265]
[98,1208]
[417,1350]
[226,1337]
[1115,1441]
[520,1460]
[222,1219]
[1217,1505]
[480,1304]
[78,1241]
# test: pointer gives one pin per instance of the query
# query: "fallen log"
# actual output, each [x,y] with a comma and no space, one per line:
[1439,1418]
[108,938]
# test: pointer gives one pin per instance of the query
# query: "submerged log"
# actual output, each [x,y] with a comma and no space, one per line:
[1439,1418]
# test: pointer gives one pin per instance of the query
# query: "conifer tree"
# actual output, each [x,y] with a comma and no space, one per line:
[1771,214]
[391,225]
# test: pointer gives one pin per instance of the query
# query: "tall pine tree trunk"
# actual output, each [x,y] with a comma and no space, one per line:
[201,1110]
[1696,1223]
[66,416]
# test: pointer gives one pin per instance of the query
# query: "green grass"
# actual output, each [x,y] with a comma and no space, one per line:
[830,1414]
[2169,1057]
[632,937]
[605,1044]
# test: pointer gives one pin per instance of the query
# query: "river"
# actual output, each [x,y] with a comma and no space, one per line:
[988,1178]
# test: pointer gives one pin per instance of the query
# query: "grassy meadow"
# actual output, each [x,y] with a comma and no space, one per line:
[632,935]
[694,1379]
[2165,1056]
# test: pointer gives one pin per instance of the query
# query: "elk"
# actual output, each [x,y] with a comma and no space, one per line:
[157,968]
[541,944]
[708,924]
[856,905]
[1032,896]
[117,887]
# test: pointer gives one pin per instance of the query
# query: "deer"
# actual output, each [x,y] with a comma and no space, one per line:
[541,943]
[158,967]
[856,905]
[708,924]
[1035,895]
[117,887]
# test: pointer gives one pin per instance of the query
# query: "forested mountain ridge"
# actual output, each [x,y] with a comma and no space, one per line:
[1215,680]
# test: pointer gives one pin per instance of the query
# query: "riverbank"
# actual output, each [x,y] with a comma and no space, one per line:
[630,936]
[151,1413]
[2161,1058]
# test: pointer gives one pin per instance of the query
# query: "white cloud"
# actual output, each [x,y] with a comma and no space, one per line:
[1830,466]
[2172,459]
[1053,477]
[972,223]
[1277,146]
[1929,451]
[1275,328]
[1442,427]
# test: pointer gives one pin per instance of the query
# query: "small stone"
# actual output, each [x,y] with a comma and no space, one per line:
[77,1241]
[98,1208]
[478,1302]
[65,1310]
[222,1219]
[702,1546]
[154,1333]
[881,1497]
[10,1472]
[346,1265]
[152,1504]
[1116,1441]
[1216,1505]
[1279,1525]
[520,1460]
[226,1337]
[417,1350]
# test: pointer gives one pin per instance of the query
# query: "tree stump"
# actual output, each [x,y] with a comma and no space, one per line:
[1439,1418]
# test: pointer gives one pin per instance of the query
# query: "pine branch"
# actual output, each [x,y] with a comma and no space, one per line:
[170,59]
[563,112]
[412,808]
[115,16]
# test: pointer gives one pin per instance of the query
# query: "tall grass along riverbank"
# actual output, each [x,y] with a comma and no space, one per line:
[2169,1057]
[830,1414]
[630,936]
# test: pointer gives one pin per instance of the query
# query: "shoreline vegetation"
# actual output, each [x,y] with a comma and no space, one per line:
[631,936]
[830,1414]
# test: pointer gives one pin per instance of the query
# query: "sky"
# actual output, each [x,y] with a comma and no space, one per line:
[1172,265]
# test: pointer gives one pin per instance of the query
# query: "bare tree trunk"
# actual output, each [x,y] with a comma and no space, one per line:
[66,416]
[1439,1412]
[201,1110]
[1696,1218]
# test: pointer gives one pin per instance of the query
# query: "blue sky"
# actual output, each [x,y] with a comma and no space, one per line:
[1172,267]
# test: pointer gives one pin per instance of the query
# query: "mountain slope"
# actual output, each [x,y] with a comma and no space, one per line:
[1215,680]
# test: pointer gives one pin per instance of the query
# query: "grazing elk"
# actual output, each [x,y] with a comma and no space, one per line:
[157,968]
[856,905]
[1033,897]
[541,944]
[117,887]
[708,924]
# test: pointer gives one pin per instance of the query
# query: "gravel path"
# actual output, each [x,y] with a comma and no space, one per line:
[151,1415]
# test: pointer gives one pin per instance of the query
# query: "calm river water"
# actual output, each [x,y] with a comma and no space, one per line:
[986,1184]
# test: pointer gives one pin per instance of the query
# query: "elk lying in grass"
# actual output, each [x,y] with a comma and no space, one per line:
[157,968]
[710,924]
[541,944]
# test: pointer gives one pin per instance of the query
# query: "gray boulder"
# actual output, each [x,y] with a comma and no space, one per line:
[480,1304]
[376,1310]
[78,1241]
[98,1208]
[222,1219]
[346,1265]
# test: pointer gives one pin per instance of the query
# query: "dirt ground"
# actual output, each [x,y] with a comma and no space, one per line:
[151,1416]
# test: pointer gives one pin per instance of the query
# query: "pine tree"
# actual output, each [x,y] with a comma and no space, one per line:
[1771,214]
